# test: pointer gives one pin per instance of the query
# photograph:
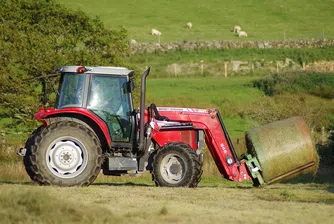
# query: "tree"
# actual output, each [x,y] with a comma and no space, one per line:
[39,35]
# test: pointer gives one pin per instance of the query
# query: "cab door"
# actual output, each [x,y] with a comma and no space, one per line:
[109,98]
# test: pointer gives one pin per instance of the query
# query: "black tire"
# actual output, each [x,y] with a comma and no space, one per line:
[176,165]
[65,153]
[28,145]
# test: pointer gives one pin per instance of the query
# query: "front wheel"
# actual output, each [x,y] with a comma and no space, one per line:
[176,165]
[65,154]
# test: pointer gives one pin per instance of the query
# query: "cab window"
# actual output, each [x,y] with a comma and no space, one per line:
[72,90]
[109,100]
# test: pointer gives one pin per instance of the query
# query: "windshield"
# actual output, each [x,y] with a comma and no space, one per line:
[72,90]
[109,100]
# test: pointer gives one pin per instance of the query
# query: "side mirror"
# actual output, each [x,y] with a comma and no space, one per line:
[130,86]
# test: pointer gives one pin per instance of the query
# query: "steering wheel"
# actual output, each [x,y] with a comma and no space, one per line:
[119,131]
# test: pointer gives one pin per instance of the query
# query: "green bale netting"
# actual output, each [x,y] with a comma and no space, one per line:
[284,149]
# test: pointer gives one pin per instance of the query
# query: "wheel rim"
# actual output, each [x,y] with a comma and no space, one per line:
[172,168]
[66,157]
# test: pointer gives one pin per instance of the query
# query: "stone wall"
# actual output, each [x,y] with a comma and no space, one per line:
[228,44]
[234,67]
[231,68]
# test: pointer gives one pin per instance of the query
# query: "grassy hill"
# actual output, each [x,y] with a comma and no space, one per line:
[214,19]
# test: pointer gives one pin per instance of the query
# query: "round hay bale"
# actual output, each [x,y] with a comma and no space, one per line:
[284,149]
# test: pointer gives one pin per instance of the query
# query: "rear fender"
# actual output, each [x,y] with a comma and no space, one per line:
[79,115]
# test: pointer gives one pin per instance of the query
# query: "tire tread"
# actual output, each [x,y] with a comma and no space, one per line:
[196,165]
[33,144]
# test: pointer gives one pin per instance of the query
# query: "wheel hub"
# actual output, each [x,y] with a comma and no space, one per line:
[66,158]
[173,169]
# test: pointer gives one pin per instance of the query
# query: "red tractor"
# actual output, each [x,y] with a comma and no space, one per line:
[95,126]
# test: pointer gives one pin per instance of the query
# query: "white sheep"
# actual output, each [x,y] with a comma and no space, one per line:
[188,25]
[242,34]
[156,32]
[236,29]
[132,41]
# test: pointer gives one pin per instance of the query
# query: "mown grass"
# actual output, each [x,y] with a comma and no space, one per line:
[213,19]
[22,204]
[101,203]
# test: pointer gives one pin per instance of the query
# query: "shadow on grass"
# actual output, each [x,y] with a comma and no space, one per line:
[16,182]
[239,187]
[227,186]
[330,189]
[205,185]
[309,179]
[324,176]
[123,184]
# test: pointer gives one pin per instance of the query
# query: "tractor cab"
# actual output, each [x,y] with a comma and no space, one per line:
[103,91]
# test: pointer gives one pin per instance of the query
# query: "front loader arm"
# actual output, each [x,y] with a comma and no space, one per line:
[216,137]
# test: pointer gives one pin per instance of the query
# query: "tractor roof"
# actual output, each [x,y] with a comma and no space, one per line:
[99,70]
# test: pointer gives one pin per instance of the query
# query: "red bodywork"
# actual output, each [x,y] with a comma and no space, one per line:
[44,114]
[201,119]
[206,120]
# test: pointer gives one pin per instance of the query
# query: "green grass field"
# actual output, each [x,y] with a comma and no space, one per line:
[140,203]
[212,19]
[226,94]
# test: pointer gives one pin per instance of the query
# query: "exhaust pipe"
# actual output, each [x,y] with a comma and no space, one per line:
[142,108]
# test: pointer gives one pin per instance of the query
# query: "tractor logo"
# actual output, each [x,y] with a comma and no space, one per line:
[223,148]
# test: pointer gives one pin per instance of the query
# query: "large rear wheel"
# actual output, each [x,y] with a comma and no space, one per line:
[65,154]
[176,165]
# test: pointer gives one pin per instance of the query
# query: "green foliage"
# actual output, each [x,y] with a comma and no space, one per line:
[326,151]
[318,84]
[306,94]
[38,35]
[269,109]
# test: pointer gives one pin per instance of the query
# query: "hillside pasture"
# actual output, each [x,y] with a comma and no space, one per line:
[212,19]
